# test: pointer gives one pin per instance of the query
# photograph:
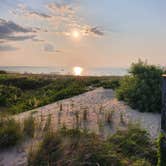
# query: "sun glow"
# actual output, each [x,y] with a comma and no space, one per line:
[77,71]
[75,34]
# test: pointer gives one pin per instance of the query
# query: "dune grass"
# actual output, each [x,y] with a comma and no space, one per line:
[10,132]
[74,147]
[29,127]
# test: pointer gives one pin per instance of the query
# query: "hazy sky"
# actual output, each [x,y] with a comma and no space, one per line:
[88,33]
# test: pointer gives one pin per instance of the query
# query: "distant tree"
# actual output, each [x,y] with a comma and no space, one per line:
[142,88]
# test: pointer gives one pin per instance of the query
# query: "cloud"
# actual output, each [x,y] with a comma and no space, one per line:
[37,14]
[9,27]
[68,16]
[17,38]
[58,51]
[38,40]
[57,14]
[49,48]
[23,10]
[61,18]
[63,15]
[6,47]
[10,31]
[60,9]
[94,30]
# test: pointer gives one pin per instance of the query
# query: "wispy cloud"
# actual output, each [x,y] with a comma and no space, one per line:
[49,48]
[23,10]
[37,14]
[10,31]
[96,31]
[59,15]
[6,47]
[60,18]
[10,27]
[60,9]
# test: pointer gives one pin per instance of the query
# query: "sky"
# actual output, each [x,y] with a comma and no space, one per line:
[87,33]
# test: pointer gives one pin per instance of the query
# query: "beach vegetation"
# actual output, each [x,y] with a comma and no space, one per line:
[75,147]
[142,88]
[10,132]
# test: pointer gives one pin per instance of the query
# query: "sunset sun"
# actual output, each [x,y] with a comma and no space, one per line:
[75,34]
[77,71]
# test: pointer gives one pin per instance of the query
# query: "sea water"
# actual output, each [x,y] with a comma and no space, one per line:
[65,70]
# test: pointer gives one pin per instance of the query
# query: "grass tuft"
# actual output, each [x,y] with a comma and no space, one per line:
[29,127]
[10,132]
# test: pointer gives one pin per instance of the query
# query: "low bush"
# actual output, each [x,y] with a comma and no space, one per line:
[9,95]
[111,84]
[142,88]
[141,163]
[134,143]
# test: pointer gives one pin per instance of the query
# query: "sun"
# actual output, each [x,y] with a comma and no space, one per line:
[77,70]
[75,34]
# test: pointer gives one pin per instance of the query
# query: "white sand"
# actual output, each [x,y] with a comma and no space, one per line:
[99,104]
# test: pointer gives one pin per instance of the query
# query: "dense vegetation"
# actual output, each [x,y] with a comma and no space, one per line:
[20,93]
[73,147]
[142,88]
[112,83]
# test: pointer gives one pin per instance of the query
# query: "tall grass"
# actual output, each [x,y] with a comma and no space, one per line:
[29,126]
[10,132]
[72,147]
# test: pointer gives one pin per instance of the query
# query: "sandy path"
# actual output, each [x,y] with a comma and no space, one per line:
[100,104]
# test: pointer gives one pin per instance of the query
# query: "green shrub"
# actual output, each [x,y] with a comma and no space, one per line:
[111,84]
[142,89]
[25,83]
[141,163]
[10,133]
[134,143]
[9,95]
[161,150]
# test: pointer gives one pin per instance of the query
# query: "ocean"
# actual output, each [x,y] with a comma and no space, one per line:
[65,71]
